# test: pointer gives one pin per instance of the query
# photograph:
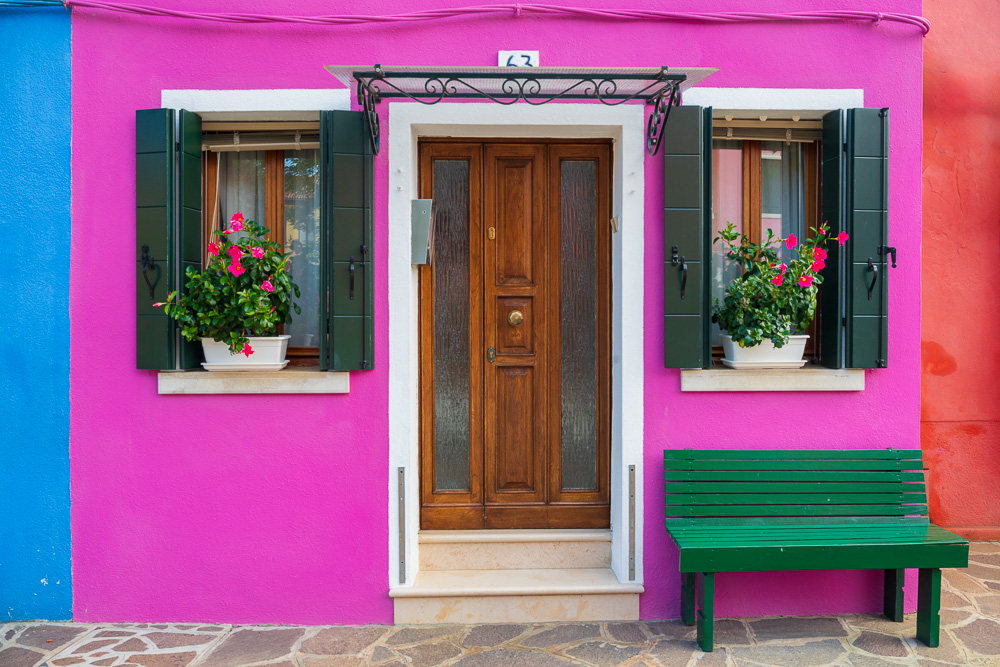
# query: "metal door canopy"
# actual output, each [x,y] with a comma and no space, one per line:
[659,86]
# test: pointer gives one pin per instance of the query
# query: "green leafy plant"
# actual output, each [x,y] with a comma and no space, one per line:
[244,291]
[771,299]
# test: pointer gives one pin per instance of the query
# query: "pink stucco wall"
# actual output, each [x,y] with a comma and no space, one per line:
[274,508]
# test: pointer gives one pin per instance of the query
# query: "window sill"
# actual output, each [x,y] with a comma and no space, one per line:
[808,378]
[288,381]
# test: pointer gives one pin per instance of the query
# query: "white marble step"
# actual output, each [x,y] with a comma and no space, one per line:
[516,596]
[514,549]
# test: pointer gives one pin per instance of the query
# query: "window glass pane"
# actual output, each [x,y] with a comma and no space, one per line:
[727,206]
[578,317]
[451,325]
[241,186]
[302,241]
[782,190]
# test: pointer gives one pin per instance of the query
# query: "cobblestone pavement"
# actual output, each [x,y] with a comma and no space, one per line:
[970,635]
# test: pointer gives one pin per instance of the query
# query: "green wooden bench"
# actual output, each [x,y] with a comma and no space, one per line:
[753,511]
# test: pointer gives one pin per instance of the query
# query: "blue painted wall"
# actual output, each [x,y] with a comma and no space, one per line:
[35,569]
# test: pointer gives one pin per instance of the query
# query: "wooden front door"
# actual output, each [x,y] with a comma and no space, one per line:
[515,336]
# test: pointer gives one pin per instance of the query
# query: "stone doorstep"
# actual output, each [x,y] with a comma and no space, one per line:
[514,549]
[494,583]
[516,596]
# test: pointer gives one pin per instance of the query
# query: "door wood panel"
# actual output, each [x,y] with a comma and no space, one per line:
[515,402]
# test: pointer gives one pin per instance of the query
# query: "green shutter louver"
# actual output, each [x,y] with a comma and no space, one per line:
[831,306]
[168,229]
[346,205]
[867,213]
[687,191]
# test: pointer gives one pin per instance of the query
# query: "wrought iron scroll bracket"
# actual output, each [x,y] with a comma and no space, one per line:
[368,98]
[659,88]
[662,103]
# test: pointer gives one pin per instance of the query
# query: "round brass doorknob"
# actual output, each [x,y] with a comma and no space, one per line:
[515,317]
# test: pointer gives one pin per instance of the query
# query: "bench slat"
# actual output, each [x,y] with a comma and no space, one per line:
[792,454]
[696,538]
[791,475]
[793,498]
[796,487]
[794,510]
[842,556]
[719,465]
[765,522]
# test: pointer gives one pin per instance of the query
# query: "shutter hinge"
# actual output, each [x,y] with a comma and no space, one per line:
[614,225]
[843,321]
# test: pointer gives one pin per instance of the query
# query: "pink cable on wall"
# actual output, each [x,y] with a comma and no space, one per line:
[513,10]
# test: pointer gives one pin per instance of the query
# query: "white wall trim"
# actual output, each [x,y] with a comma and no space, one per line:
[625,126]
[269,104]
[776,99]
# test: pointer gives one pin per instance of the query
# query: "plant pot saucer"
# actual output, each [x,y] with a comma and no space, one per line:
[763,364]
[245,367]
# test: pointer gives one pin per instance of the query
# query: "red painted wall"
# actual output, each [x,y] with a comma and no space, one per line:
[960,413]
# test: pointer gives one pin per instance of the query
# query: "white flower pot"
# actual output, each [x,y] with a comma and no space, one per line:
[268,355]
[764,355]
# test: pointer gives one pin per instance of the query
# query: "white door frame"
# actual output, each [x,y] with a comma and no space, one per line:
[625,125]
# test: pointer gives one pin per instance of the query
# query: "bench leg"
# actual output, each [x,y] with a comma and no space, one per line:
[687,598]
[706,609]
[928,606]
[893,598]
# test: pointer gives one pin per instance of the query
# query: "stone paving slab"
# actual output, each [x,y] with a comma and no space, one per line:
[970,635]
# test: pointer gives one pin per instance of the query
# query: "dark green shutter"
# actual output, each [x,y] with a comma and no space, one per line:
[346,175]
[168,223]
[687,189]
[831,306]
[867,186]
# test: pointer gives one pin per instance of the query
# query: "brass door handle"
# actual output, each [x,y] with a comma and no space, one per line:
[515,317]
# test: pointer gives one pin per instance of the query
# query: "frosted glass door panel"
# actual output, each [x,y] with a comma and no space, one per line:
[451,326]
[578,322]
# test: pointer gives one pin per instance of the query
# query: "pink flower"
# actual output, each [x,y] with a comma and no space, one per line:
[237,217]
[783,267]
[267,286]
[235,253]
[236,225]
[247,350]
[157,304]
[821,254]
[257,251]
[228,231]
[236,269]
[790,243]
[805,281]
[818,265]
[213,248]
[842,238]
[777,280]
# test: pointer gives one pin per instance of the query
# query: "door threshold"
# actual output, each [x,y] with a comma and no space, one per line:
[515,535]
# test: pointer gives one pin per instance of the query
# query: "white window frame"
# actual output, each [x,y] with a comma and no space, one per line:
[774,103]
[256,105]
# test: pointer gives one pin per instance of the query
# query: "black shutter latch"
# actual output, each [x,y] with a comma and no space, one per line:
[888,250]
[147,263]
[674,261]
